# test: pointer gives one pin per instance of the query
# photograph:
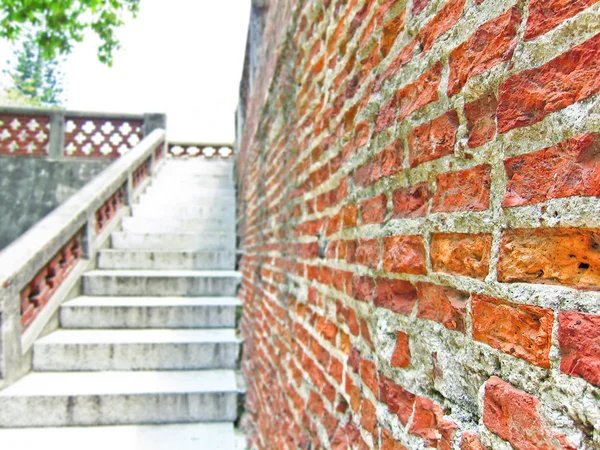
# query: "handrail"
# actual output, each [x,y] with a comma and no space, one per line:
[35,266]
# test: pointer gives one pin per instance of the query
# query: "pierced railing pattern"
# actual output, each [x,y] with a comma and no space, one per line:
[99,137]
[24,134]
[39,291]
[141,173]
[108,211]
[194,150]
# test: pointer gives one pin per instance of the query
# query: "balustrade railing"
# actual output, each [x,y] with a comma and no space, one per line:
[193,150]
[64,134]
[39,269]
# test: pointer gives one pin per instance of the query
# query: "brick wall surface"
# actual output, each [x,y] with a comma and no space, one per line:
[420,221]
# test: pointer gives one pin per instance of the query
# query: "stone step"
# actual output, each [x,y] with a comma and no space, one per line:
[217,211]
[193,183]
[157,202]
[184,242]
[176,225]
[102,350]
[160,283]
[149,312]
[140,259]
[194,436]
[200,188]
[51,399]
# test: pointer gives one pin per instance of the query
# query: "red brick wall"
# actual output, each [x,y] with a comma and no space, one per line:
[420,222]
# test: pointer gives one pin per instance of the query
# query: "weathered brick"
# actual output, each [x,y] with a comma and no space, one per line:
[401,355]
[442,304]
[443,21]
[390,33]
[429,423]
[579,340]
[528,97]
[564,170]
[387,115]
[514,416]
[374,210]
[433,139]
[404,254]
[545,15]
[419,93]
[463,190]
[481,120]
[523,331]
[388,162]
[470,441]
[412,201]
[565,256]
[368,373]
[397,295]
[492,43]
[363,288]
[368,416]
[388,442]
[398,400]
[461,254]
[368,252]
[418,6]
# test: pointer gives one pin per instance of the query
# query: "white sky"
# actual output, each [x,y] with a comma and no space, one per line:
[181,57]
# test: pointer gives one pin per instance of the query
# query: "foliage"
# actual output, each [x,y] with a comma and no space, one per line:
[34,80]
[61,23]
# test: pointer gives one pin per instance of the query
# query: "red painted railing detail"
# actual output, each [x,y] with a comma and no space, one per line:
[105,214]
[159,153]
[141,173]
[24,135]
[101,137]
[223,151]
[39,291]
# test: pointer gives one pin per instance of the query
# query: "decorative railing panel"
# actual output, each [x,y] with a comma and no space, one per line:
[24,134]
[59,134]
[101,136]
[107,212]
[141,173]
[194,150]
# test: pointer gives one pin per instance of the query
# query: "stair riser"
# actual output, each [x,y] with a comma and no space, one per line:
[159,286]
[194,185]
[174,242]
[145,226]
[184,211]
[148,317]
[147,356]
[117,409]
[166,260]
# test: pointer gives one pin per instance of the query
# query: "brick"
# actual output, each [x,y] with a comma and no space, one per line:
[492,43]
[398,400]
[368,373]
[396,295]
[390,33]
[528,97]
[513,415]
[422,91]
[404,254]
[365,333]
[412,201]
[363,288]
[368,418]
[368,252]
[463,190]
[481,120]
[461,254]
[401,355]
[418,6]
[571,168]
[442,304]
[470,441]
[388,442]
[545,15]
[564,256]
[374,210]
[523,331]
[429,423]
[443,21]
[349,216]
[387,115]
[433,140]
[579,340]
[388,162]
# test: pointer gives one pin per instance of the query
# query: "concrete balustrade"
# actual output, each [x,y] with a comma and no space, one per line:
[41,253]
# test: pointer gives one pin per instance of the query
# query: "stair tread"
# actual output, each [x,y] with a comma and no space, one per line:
[140,336]
[162,273]
[49,384]
[141,301]
[197,436]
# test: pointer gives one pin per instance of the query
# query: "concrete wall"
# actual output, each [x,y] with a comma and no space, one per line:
[31,187]
[420,221]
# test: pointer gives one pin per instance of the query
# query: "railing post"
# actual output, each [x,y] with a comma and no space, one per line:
[56,142]
[89,237]
[153,121]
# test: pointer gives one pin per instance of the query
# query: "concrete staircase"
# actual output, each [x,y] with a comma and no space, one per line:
[146,358]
